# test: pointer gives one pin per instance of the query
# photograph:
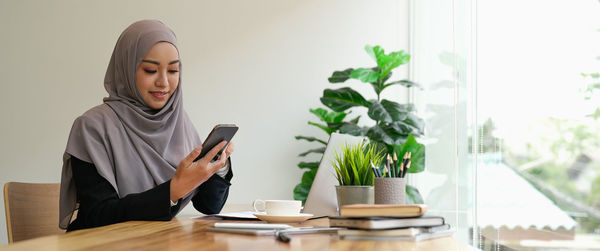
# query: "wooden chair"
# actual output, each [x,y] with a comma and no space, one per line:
[31,210]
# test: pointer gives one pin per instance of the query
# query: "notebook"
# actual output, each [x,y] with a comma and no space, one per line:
[385,222]
[398,232]
[389,210]
[418,237]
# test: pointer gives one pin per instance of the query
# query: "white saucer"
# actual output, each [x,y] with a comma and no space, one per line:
[283,218]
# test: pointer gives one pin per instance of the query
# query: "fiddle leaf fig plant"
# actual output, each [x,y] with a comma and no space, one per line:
[396,128]
[396,125]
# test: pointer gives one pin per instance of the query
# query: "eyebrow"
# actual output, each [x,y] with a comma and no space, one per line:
[157,63]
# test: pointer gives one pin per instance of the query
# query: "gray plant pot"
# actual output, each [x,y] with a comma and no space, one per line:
[390,191]
[347,195]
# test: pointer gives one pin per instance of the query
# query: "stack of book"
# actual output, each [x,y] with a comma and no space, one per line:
[389,222]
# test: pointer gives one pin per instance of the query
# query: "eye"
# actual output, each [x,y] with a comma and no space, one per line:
[173,71]
[149,71]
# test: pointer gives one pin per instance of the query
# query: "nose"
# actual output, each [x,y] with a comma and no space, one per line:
[162,79]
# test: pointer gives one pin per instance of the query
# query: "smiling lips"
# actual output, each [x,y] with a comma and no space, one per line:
[159,94]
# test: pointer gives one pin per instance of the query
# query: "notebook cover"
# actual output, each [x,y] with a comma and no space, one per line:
[385,222]
[411,231]
[389,210]
[418,237]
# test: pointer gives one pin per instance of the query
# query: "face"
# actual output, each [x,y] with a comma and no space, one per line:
[157,76]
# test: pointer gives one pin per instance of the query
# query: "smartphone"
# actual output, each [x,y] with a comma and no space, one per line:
[221,132]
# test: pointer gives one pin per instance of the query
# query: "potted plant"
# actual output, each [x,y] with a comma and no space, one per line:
[396,127]
[354,173]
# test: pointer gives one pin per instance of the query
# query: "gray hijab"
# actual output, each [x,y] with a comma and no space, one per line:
[133,147]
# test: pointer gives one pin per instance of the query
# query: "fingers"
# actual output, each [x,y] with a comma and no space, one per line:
[227,152]
[191,156]
[230,148]
[214,151]
[222,160]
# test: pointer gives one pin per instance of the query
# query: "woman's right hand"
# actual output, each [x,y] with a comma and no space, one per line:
[190,174]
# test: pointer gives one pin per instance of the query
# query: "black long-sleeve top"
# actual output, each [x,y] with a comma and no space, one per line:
[99,203]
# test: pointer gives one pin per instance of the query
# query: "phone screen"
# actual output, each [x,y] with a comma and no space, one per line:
[221,132]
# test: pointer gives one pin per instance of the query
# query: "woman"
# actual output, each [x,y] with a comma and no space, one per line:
[131,158]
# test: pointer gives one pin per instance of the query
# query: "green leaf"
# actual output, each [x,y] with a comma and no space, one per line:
[596,114]
[387,63]
[365,75]
[352,129]
[355,120]
[340,76]
[342,99]
[385,78]
[375,52]
[311,139]
[309,176]
[413,196]
[323,127]
[352,166]
[376,133]
[335,117]
[329,117]
[334,126]
[417,159]
[416,123]
[379,85]
[320,150]
[398,129]
[301,192]
[405,83]
[594,75]
[388,111]
[377,112]
[309,165]
[319,112]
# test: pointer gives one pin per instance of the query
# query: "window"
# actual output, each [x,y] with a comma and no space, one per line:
[513,153]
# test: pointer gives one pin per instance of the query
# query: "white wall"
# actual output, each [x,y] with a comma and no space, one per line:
[259,64]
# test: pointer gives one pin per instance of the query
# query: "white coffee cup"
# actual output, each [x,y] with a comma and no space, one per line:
[278,207]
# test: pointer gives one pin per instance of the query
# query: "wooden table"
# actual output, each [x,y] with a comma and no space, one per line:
[188,234]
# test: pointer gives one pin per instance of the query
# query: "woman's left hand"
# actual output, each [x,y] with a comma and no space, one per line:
[190,174]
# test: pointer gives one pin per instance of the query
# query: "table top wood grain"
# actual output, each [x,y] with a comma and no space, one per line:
[189,234]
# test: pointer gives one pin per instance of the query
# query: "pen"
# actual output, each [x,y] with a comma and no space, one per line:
[375,170]
[388,160]
[403,165]
[402,168]
[406,162]
[283,237]
[387,173]
[396,161]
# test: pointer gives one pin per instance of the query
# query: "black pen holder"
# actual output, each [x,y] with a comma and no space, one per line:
[390,191]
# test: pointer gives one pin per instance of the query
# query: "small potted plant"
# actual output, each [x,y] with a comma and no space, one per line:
[354,173]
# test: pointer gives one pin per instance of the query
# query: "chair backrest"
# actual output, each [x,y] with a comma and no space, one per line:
[31,210]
